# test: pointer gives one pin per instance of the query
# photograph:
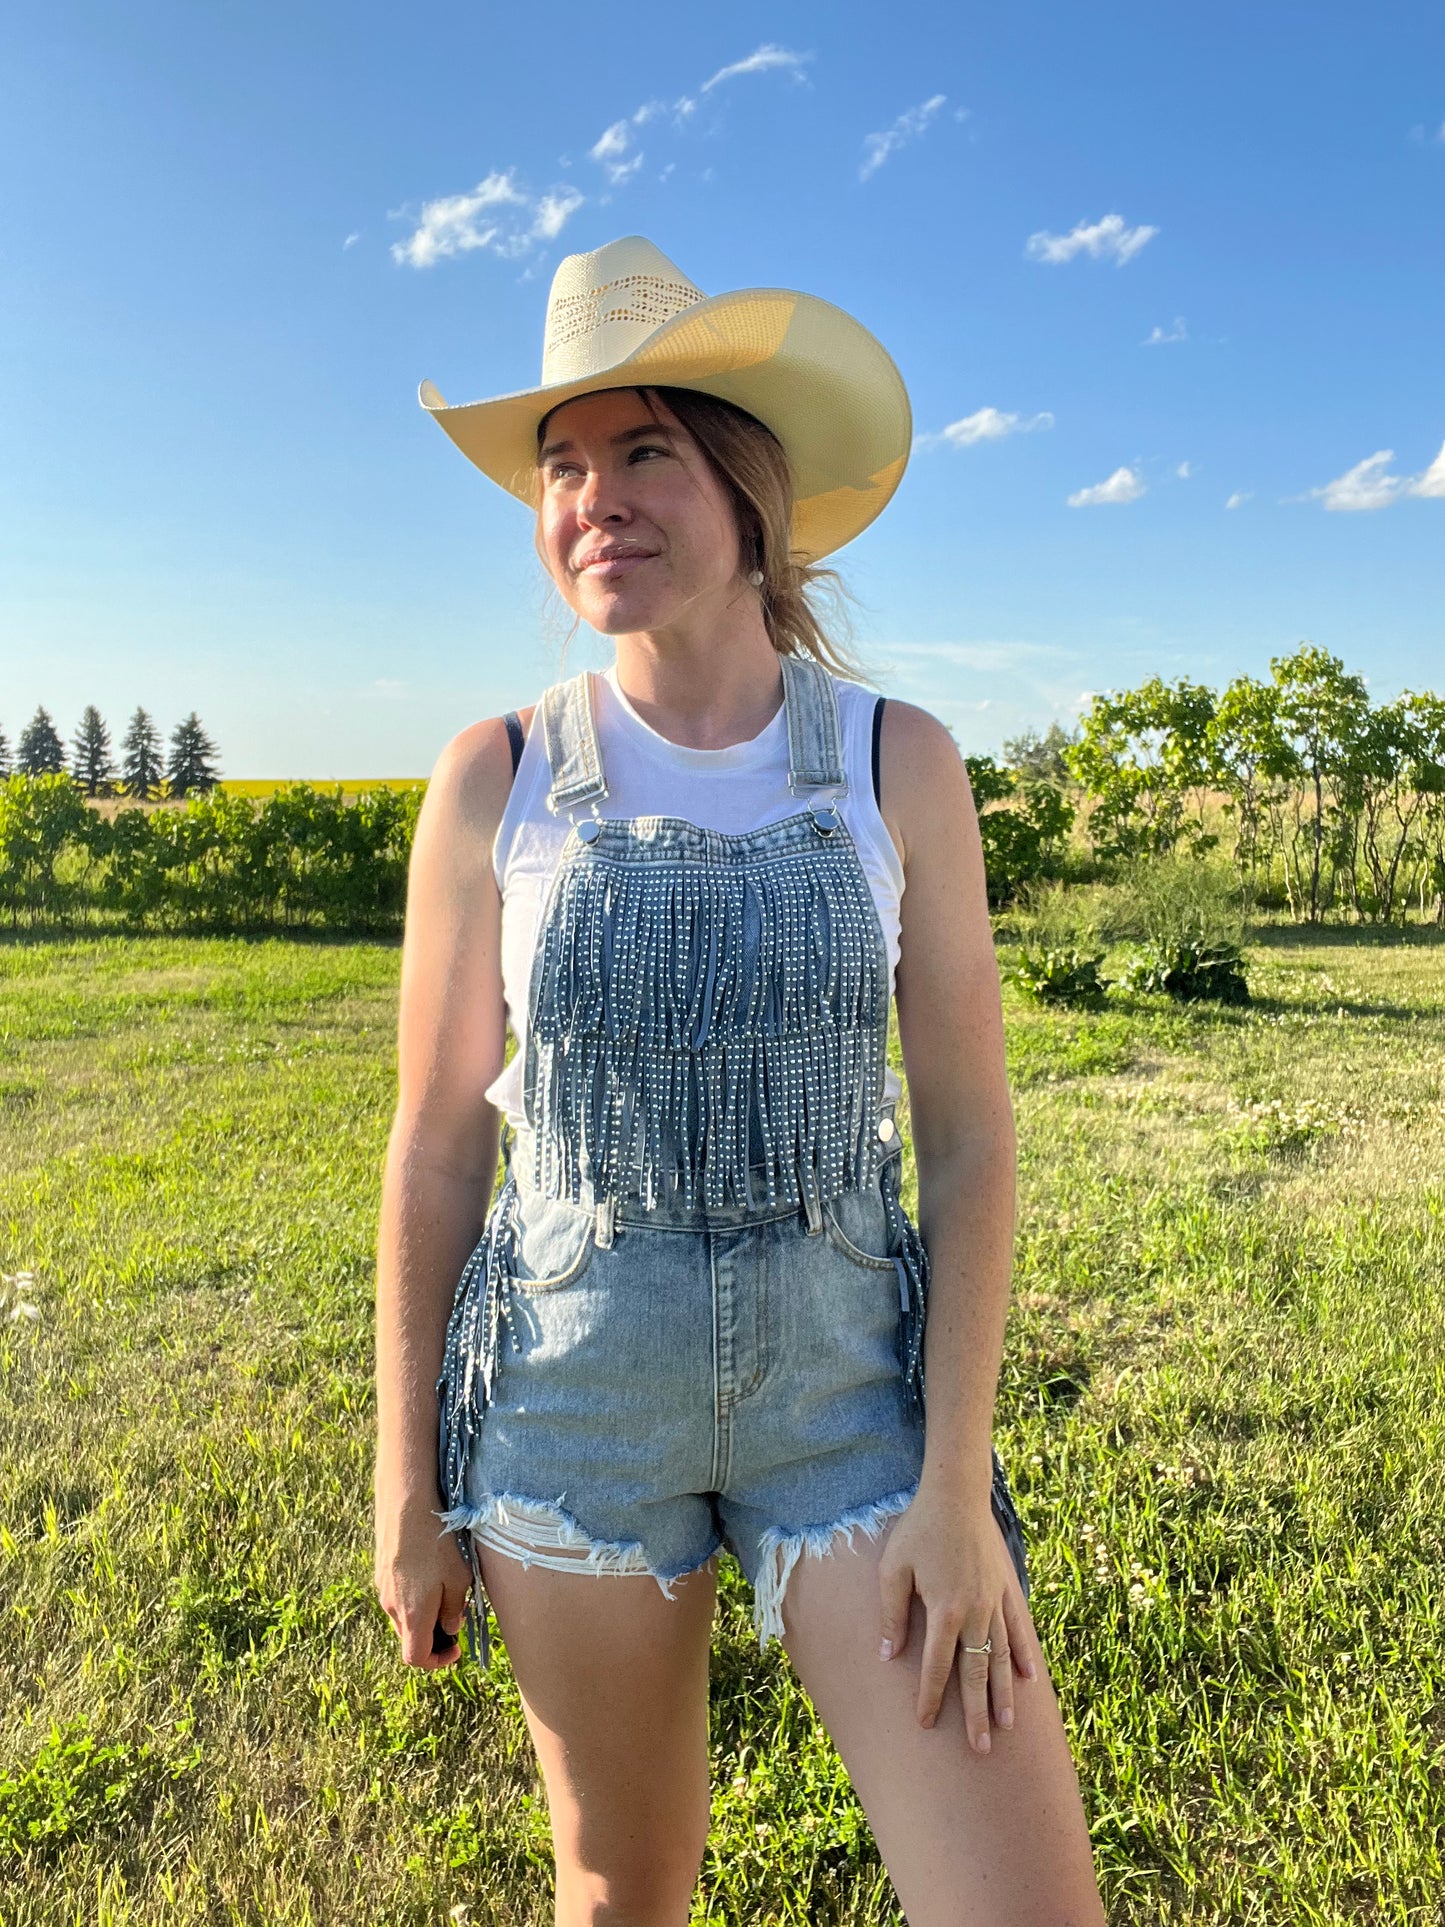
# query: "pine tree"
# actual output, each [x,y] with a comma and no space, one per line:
[41,751]
[91,763]
[142,769]
[193,758]
[4,757]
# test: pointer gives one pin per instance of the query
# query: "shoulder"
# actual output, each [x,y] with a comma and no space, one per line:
[922,775]
[467,792]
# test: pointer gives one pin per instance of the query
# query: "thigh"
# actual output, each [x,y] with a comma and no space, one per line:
[613,1677]
[968,1840]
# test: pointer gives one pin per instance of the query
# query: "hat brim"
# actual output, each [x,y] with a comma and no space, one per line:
[824,385]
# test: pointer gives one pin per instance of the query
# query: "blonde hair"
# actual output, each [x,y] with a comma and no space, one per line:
[752,466]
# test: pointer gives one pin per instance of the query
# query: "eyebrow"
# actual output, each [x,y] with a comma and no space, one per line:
[650,431]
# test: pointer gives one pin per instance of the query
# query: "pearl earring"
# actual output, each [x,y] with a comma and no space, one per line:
[756,578]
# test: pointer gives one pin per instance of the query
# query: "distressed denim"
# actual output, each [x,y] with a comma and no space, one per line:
[695,1316]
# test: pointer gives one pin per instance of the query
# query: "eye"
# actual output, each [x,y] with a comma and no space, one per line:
[648,448]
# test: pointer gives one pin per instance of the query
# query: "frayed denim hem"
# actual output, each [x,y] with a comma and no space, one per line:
[780,1551]
[540,1532]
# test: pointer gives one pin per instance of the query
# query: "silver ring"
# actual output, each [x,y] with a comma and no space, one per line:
[987,1647]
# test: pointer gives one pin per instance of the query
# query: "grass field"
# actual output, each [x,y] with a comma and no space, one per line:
[1221,1407]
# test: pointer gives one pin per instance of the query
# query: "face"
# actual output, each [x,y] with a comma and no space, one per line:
[634,528]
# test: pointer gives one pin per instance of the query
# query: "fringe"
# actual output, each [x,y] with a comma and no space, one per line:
[691,1021]
[910,1259]
[464,1389]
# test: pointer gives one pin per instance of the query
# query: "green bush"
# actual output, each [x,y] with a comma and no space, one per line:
[303,858]
[1023,824]
[1188,970]
[1060,976]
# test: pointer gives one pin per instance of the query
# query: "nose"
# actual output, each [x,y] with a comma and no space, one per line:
[600,500]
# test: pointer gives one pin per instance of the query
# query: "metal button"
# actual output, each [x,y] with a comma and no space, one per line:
[886,1128]
[589,829]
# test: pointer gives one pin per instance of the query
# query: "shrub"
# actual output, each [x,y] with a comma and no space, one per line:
[1068,976]
[1190,970]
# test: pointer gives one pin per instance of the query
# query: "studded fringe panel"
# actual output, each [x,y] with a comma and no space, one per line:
[691,1019]
[469,1363]
[910,1260]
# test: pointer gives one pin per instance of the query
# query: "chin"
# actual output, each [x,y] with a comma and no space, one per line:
[622,615]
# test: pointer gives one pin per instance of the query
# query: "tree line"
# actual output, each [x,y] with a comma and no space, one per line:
[1321,799]
[144,772]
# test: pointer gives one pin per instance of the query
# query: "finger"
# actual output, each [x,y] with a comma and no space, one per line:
[973,1670]
[1001,1672]
[896,1592]
[939,1642]
[1027,1654]
[416,1638]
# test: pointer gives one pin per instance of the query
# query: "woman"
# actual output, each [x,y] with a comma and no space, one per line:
[694,1315]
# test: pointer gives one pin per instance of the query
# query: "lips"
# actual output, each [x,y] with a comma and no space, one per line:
[609,563]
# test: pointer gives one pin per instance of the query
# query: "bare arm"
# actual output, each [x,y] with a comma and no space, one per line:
[947,1547]
[441,1167]
[950,1025]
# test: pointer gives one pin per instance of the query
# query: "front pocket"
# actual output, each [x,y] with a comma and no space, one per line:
[857,1225]
[552,1242]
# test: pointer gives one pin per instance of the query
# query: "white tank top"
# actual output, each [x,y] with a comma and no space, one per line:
[732,790]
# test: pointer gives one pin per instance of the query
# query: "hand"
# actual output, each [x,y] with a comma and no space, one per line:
[956,1561]
[421,1579]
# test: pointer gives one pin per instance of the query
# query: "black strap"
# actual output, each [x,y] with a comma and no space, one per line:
[877,732]
[516,738]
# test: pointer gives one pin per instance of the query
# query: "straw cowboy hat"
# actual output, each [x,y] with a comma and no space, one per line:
[625,317]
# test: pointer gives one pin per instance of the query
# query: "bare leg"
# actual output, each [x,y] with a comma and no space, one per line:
[969,1840]
[614,1683]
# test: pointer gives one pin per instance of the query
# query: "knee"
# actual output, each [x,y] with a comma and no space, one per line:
[652,1890]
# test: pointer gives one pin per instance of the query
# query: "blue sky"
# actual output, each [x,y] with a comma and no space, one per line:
[1171,257]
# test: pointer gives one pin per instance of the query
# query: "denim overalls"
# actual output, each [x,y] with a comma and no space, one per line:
[714,1299]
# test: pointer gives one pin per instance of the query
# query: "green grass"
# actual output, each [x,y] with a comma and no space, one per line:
[1221,1407]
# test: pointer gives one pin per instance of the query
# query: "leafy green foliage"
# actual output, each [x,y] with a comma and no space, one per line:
[1023,823]
[76,1788]
[1060,976]
[301,858]
[1188,969]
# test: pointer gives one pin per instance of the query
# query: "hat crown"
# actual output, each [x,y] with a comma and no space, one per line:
[604,305]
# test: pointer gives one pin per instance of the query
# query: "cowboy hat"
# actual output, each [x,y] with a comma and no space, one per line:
[625,317]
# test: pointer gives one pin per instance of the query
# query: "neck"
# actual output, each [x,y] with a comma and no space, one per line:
[704,685]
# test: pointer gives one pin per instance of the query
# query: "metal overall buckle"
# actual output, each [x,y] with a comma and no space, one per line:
[826,816]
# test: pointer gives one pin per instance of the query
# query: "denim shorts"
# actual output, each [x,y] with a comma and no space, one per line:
[709,1378]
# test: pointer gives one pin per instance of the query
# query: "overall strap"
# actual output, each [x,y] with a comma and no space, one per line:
[815,740]
[569,730]
[815,737]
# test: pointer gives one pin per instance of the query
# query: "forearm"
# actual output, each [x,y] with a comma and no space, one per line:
[431,1218]
[966,1220]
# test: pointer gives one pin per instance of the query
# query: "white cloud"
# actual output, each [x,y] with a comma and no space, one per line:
[1161,336]
[1183,471]
[554,211]
[1124,485]
[1109,237]
[764,60]
[984,425]
[612,144]
[1370,485]
[1432,482]
[496,215]
[1239,498]
[351,240]
[908,126]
